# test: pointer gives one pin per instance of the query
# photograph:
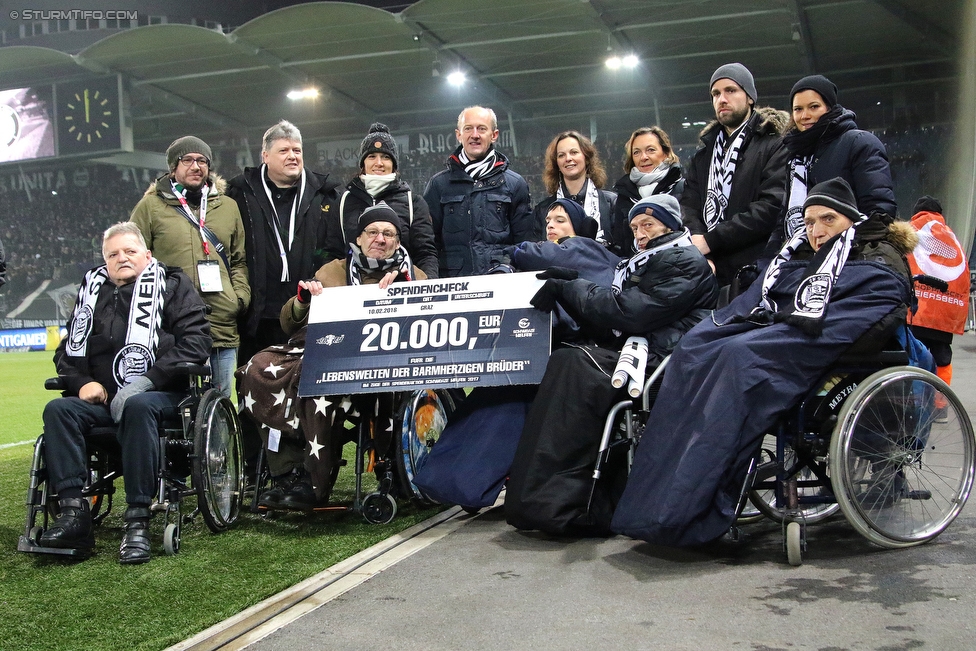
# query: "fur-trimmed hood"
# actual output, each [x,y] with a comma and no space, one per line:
[902,236]
[162,186]
[771,121]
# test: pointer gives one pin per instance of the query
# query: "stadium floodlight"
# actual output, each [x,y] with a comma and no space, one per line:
[306,93]
[630,61]
[456,78]
[614,63]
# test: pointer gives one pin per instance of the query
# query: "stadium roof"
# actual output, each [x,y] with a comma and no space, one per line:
[540,61]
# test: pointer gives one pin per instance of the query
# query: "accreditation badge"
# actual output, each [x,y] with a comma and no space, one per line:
[208,271]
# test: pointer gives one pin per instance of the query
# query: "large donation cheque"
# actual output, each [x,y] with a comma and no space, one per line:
[446,333]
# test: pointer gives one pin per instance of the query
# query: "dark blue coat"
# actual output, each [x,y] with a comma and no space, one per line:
[477,222]
[590,258]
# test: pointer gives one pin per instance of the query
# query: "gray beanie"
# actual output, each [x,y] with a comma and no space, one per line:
[740,75]
[665,208]
[183,146]
[378,140]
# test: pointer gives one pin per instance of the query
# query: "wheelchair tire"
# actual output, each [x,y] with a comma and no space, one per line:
[218,462]
[794,544]
[916,465]
[764,499]
[422,416]
[171,539]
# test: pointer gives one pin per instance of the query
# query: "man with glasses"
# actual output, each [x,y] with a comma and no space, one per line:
[188,222]
[479,207]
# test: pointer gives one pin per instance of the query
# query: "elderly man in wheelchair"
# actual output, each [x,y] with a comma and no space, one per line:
[837,287]
[134,324]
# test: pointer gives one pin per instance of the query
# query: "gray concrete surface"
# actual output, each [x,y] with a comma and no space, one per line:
[488,586]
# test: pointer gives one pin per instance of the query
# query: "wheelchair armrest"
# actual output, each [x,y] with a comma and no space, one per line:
[54,384]
[884,358]
[187,368]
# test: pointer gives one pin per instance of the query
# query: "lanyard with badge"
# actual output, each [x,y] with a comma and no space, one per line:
[208,271]
[285,277]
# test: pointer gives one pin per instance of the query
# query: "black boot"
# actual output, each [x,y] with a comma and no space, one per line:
[274,496]
[72,529]
[301,496]
[135,542]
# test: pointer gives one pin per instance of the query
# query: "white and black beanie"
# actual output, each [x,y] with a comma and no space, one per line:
[378,140]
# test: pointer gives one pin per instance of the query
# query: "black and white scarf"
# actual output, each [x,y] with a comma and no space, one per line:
[145,319]
[358,264]
[813,294]
[477,169]
[647,182]
[799,173]
[725,158]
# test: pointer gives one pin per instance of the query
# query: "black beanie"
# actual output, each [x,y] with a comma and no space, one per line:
[583,224]
[378,140]
[818,83]
[183,146]
[380,212]
[927,203]
[739,74]
[836,194]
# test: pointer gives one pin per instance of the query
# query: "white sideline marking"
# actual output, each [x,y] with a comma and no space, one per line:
[285,607]
[13,445]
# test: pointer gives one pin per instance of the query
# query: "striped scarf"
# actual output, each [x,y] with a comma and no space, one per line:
[358,264]
[725,158]
[477,169]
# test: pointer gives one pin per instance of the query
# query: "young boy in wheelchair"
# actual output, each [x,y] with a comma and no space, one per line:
[837,283]
[134,323]
[303,437]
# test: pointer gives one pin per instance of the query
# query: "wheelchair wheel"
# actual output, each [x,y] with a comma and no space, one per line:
[218,464]
[171,539]
[764,499]
[379,508]
[794,544]
[902,457]
[422,417]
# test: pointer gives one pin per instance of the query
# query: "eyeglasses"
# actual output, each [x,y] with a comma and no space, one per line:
[373,233]
[188,161]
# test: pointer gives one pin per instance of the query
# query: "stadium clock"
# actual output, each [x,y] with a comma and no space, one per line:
[88,116]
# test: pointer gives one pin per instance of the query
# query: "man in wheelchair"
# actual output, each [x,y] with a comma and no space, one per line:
[134,323]
[303,437]
[833,287]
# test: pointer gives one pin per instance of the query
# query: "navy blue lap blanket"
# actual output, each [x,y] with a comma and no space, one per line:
[470,461]
[724,388]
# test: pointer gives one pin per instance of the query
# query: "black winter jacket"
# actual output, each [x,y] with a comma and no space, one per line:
[607,202]
[418,233]
[476,223]
[308,249]
[675,290]
[620,236]
[183,337]
[757,196]
[856,156]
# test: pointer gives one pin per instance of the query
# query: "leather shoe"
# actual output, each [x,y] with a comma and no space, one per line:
[301,496]
[72,528]
[273,498]
[135,543]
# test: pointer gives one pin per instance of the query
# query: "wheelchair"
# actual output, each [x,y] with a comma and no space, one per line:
[888,445]
[419,418]
[200,456]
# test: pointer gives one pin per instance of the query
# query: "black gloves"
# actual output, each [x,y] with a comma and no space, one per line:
[546,298]
[559,273]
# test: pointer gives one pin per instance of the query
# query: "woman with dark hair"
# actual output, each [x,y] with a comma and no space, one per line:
[824,142]
[574,171]
[651,167]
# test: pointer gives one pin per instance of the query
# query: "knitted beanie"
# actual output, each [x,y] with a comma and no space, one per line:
[583,224]
[837,194]
[183,146]
[664,207]
[819,84]
[380,212]
[739,74]
[378,140]
[927,203]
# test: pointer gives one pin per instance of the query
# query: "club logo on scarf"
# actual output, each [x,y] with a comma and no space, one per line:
[811,297]
[80,330]
[132,360]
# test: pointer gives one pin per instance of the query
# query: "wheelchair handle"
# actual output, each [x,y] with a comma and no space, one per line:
[932,281]
[54,384]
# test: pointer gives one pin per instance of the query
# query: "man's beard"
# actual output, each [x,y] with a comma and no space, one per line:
[733,120]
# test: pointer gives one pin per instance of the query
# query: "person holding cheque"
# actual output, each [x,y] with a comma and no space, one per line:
[303,437]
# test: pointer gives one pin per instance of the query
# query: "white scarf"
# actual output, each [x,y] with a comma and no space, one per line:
[720,174]
[145,319]
[799,169]
[647,182]
[282,251]
[376,183]
[477,169]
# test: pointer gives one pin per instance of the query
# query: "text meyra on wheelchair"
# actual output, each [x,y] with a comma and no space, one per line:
[137,332]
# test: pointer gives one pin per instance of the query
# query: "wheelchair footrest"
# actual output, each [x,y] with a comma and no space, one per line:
[25,545]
